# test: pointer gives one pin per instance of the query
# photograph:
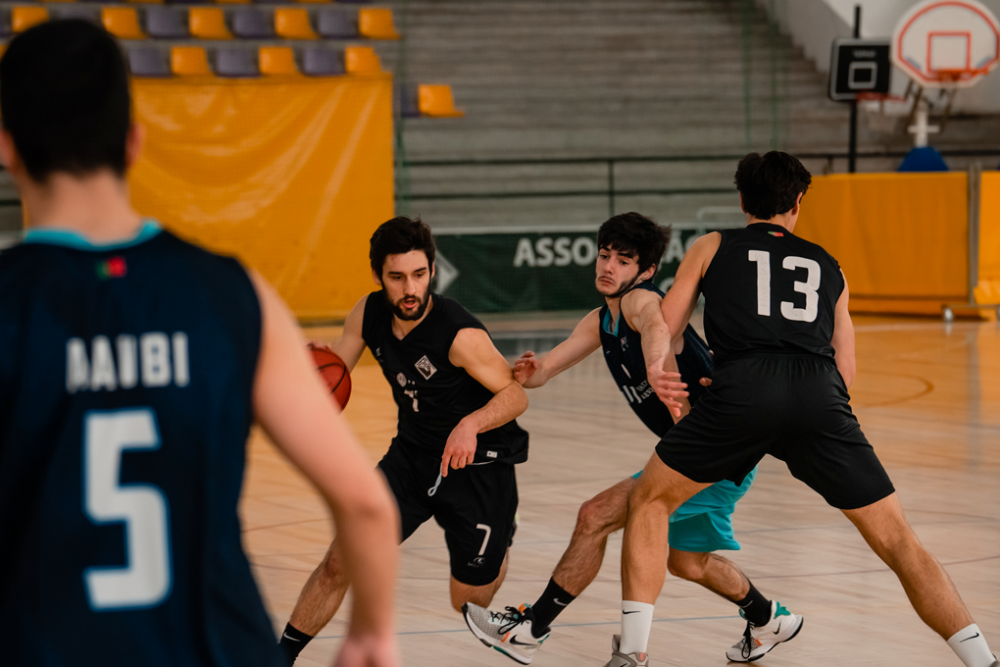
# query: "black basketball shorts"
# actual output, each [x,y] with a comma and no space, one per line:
[790,406]
[475,506]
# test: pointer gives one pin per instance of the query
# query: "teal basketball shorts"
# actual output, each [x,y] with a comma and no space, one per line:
[705,522]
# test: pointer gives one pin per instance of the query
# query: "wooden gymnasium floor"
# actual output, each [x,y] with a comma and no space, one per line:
[928,398]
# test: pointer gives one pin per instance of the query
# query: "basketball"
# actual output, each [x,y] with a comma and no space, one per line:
[334,372]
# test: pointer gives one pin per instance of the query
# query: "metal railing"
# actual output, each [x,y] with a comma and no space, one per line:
[611,189]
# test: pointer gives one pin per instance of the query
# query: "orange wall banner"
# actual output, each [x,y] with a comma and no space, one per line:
[292,175]
[988,290]
[901,239]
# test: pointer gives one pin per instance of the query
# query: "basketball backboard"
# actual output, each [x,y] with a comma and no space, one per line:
[947,43]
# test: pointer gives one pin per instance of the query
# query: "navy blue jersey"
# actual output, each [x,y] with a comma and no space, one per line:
[433,394]
[769,291]
[126,375]
[623,352]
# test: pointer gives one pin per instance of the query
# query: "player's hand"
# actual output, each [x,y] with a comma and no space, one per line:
[525,367]
[460,450]
[668,388]
[316,345]
[705,382]
[368,651]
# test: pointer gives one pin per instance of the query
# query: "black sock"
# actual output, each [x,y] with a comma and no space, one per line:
[756,608]
[293,641]
[550,605]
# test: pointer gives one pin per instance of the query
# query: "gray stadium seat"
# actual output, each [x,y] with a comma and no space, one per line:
[92,14]
[236,62]
[317,61]
[5,30]
[406,101]
[252,24]
[166,23]
[148,62]
[337,24]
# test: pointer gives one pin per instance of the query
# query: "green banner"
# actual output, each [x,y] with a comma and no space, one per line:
[533,271]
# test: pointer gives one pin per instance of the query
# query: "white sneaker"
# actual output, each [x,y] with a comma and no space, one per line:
[756,642]
[619,659]
[506,631]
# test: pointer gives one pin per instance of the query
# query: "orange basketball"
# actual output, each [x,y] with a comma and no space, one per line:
[334,372]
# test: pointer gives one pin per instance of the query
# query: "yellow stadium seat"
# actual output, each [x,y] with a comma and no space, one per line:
[437,102]
[277,60]
[208,23]
[361,60]
[189,61]
[293,24]
[122,22]
[376,23]
[22,18]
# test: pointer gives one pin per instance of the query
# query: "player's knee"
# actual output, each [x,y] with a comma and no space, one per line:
[685,566]
[590,520]
[333,569]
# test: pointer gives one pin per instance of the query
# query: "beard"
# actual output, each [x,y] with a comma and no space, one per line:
[397,307]
[625,287]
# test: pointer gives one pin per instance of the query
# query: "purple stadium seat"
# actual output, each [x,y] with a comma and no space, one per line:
[5,30]
[406,101]
[148,62]
[337,24]
[317,61]
[354,2]
[166,23]
[253,24]
[236,62]
[185,2]
[92,14]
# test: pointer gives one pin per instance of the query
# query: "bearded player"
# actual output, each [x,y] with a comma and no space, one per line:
[454,454]
[637,348]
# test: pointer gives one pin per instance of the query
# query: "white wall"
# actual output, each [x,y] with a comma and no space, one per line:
[814,24]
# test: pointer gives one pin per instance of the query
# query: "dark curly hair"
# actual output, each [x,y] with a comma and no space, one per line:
[398,236]
[637,236]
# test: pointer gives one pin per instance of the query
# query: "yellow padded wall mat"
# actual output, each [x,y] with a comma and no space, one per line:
[901,239]
[989,239]
[292,175]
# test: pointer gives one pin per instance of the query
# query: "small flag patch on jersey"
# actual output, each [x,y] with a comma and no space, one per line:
[113,267]
[776,233]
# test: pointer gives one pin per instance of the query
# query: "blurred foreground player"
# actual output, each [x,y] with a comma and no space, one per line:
[776,317]
[133,365]
[457,400]
[637,349]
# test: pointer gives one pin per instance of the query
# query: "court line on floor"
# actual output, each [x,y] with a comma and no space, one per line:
[564,625]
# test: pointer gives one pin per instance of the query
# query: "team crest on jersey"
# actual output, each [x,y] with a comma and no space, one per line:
[425,367]
[401,379]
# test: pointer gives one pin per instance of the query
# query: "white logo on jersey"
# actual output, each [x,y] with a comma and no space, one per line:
[401,379]
[425,367]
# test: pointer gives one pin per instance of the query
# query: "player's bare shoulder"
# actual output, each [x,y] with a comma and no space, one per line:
[703,250]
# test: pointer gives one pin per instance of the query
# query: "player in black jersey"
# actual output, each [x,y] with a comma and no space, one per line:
[776,316]
[133,365]
[630,329]
[454,454]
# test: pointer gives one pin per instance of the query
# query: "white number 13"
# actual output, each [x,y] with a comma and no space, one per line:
[809,287]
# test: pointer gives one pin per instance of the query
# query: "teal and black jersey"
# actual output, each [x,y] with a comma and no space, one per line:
[623,352]
[126,376]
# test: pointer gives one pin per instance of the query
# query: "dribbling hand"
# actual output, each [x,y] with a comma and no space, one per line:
[525,367]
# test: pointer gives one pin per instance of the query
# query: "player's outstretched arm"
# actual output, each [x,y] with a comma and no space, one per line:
[843,338]
[296,411]
[351,344]
[534,372]
[641,310]
[473,350]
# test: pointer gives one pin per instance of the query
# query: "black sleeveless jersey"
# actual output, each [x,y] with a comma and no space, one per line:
[126,375]
[767,290]
[623,352]
[433,394]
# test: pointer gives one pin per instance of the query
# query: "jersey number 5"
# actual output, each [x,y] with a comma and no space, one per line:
[810,287]
[146,579]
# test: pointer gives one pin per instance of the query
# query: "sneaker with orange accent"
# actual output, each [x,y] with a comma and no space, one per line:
[509,632]
[756,642]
